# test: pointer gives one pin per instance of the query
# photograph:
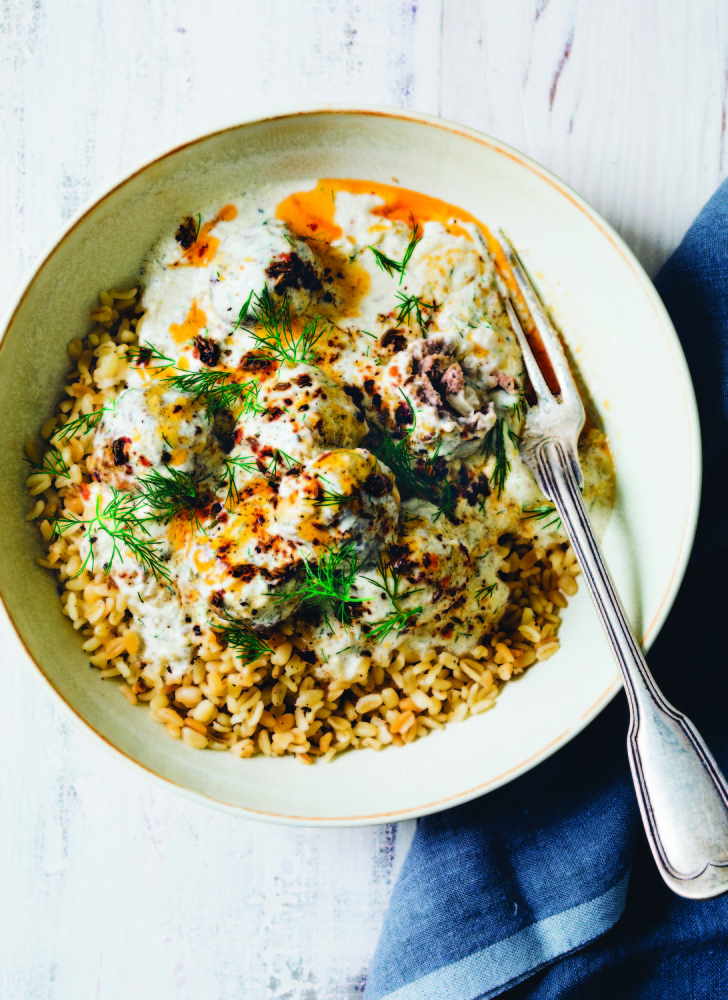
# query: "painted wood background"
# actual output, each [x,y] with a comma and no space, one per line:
[109,887]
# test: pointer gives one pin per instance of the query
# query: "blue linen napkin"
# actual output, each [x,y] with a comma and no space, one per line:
[546,888]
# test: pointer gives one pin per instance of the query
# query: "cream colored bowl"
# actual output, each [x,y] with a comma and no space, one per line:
[623,342]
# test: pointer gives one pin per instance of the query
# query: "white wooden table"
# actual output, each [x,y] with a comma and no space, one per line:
[110,887]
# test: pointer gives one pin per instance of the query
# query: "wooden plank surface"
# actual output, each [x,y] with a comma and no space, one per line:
[109,887]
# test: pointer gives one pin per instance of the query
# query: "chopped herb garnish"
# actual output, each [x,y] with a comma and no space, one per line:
[219,391]
[410,305]
[148,357]
[417,478]
[240,637]
[284,459]
[494,443]
[485,591]
[80,426]
[541,513]
[393,267]
[245,463]
[278,337]
[118,520]
[52,464]
[244,311]
[328,583]
[330,498]
[170,494]
[397,619]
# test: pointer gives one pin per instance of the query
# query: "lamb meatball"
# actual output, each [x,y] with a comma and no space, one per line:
[340,497]
[305,413]
[150,427]
[242,564]
[448,390]
[259,257]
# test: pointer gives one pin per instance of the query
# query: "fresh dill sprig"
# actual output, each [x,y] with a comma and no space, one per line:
[386,263]
[244,311]
[328,583]
[245,463]
[494,443]
[199,226]
[280,456]
[52,465]
[409,305]
[142,357]
[395,620]
[330,498]
[170,494]
[518,410]
[541,513]
[240,637]
[80,426]
[398,618]
[278,337]
[118,520]
[416,478]
[487,591]
[393,267]
[218,391]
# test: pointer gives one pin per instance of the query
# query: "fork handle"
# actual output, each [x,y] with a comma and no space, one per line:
[682,795]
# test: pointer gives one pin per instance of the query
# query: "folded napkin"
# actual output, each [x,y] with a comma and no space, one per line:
[546,887]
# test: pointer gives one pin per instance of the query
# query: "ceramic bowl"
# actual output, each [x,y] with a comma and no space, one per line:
[620,336]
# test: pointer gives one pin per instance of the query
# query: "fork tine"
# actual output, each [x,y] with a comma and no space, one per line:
[549,337]
[540,386]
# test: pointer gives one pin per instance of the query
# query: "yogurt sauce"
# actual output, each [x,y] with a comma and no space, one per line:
[424,354]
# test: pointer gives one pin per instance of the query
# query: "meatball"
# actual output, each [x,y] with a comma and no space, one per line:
[149,428]
[430,559]
[305,413]
[449,392]
[242,564]
[340,497]
[259,257]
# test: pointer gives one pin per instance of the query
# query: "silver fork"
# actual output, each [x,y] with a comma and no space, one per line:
[682,795]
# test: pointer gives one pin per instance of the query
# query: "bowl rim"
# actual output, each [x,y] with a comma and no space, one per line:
[649,632]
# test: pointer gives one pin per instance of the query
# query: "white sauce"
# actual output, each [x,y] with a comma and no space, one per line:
[461,370]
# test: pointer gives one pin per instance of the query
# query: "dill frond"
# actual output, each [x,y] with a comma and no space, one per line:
[330,498]
[148,357]
[118,520]
[494,443]
[395,621]
[52,464]
[219,391]
[170,494]
[541,513]
[328,583]
[240,637]
[244,312]
[416,478]
[280,457]
[386,263]
[80,426]
[278,337]
[518,410]
[392,267]
[409,305]
[485,591]
[246,463]
[397,618]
